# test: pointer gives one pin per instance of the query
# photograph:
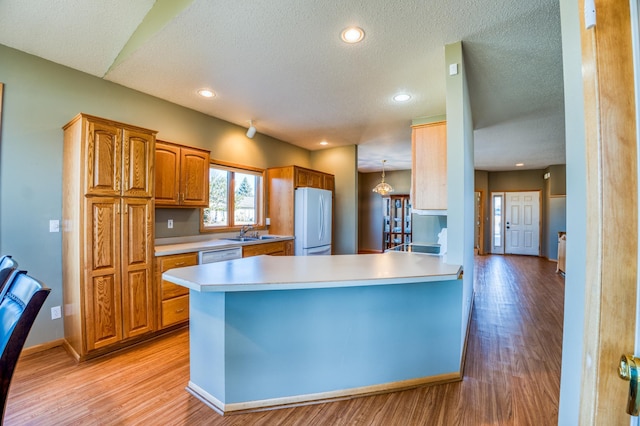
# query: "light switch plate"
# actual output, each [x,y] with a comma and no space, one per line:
[55,312]
[54,225]
[453,69]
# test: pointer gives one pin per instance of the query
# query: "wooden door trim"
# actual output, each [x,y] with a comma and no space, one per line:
[612,243]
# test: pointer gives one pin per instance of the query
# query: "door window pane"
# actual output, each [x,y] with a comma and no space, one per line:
[497,220]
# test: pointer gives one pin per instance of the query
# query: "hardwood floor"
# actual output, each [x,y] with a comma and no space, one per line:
[512,374]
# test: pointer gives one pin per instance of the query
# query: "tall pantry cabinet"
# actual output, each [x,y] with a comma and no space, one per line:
[108,218]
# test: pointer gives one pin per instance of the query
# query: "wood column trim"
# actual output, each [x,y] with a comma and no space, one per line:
[612,231]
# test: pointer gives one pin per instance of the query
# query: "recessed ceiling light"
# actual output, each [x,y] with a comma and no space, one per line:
[352,35]
[324,143]
[206,93]
[401,97]
[519,164]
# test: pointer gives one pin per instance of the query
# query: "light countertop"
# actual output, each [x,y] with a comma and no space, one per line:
[179,245]
[262,273]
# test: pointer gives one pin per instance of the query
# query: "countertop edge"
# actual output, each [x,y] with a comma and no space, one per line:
[236,288]
[213,244]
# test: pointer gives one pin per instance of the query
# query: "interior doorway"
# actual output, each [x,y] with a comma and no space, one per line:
[478,236]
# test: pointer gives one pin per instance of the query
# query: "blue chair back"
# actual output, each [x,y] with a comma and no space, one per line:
[20,301]
[7,265]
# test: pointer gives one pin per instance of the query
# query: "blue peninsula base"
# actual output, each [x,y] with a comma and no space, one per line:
[264,349]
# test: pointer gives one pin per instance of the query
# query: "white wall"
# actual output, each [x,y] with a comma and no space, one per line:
[460,175]
[572,344]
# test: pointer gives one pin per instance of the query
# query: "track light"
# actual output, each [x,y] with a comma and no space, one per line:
[251,131]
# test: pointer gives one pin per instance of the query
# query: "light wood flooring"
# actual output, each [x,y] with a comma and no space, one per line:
[512,374]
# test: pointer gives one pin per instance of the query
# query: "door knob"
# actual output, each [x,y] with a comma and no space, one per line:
[628,370]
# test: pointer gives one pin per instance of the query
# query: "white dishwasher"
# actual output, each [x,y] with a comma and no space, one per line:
[219,255]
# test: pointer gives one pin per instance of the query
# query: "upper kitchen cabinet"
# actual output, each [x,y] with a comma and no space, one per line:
[306,178]
[118,158]
[182,176]
[429,171]
[282,182]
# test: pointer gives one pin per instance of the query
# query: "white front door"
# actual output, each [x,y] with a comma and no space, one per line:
[522,223]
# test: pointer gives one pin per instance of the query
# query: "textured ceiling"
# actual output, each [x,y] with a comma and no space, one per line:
[282,64]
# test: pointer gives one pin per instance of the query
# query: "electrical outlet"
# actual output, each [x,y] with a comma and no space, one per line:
[55,312]
[170,224]
[54,225]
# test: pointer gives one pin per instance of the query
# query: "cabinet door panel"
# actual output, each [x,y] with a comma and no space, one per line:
[103,311]
[137,233]
[194,174]
[102,292]
[103,159]
[136,301]
[429,174]
[169,290]
[167,174]
[301,178]
[137,164]
[272,249]
[137,295]
[175,310]
[104,233]
[329,182]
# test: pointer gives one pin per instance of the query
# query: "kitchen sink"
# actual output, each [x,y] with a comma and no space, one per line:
[243,239]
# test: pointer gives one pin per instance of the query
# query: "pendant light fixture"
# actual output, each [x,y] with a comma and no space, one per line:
[383,188]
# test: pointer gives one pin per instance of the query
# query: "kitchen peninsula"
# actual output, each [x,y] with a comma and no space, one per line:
[278,331]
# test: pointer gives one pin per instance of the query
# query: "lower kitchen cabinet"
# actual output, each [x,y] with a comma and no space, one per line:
[173,306]
[276,248]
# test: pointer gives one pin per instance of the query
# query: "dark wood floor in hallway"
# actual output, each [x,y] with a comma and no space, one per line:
[512,374]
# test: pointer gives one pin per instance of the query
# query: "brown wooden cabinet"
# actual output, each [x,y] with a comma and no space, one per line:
[182,176]
[276,248]
[429,171]
[396,217]
[173,306]
[107,235]
[308,178]
[281,184]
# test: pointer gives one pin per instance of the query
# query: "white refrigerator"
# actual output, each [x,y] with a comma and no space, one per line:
[312,221]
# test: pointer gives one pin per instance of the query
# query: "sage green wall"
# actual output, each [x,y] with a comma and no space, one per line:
[555,211]
[516,180]
[460,175]
[39,98]
[574,300]
[343,163]
[370,205]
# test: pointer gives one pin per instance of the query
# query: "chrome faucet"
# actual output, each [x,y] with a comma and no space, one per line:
[244,230]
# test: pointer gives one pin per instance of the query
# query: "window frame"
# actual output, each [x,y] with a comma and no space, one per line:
[260,197]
